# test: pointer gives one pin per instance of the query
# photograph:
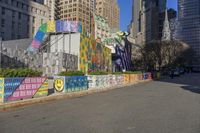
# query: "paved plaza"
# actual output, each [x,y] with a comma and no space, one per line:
[166,106]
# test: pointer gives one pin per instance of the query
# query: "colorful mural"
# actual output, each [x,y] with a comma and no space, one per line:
[98,63]
[13,89]
[93,56]
[107,59]
[59,84]
[22,88]
[1,89]
[76,83]
[132,77]
[52,27]
[122,57]
[70,83]
[102,81]
[84,53]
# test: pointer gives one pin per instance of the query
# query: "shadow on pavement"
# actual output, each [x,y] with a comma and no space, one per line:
[189,82]
[192,89]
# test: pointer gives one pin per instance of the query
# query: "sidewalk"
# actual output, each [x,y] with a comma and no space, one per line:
[59,96]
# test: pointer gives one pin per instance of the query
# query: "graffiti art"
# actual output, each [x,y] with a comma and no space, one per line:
[59,85]
[1,89]
[22,88]
[93,56]
[122,47]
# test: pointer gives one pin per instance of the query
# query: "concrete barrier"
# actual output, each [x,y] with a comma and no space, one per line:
[1,89]
[70,83]
[24,88]
[13,89]
[132,78]
[92,81]
[126,78]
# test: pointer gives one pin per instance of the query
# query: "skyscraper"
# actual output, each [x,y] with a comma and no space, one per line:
[152,10]
[53,8]
[189,26]
[21,19]
[77,10]
[109,9]
[145,20]
[93,6]
[102,29]
[138,21]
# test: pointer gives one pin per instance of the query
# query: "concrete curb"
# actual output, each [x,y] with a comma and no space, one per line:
[59,96]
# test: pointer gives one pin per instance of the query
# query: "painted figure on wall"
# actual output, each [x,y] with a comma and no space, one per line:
[122,51]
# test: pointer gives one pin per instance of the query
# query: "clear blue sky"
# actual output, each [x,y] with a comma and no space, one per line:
[126,11]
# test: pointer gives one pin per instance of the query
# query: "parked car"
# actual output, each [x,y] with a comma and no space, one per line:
[176,72]
[181,70]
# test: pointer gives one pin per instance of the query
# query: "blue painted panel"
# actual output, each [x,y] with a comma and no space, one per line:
[59,26]
[10,85]
[76,83]
[39,36]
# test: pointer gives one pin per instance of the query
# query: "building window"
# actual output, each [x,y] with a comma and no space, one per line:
[13,14]
[6,1]
[13,24]
[19,26]
[18,36]
[33,20]
[33,30]
[3,11]
[13,35]
[19,15]
[27,30]
[2,35]
[2,23]
[28,19]
[12,2]
[42,21]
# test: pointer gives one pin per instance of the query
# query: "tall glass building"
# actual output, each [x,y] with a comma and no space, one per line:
[189,26]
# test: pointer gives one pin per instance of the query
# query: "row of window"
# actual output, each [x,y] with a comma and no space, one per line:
[25,7]
[70,1]
[75,19]
[13,35]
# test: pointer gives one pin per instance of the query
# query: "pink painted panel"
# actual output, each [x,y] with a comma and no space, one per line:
[27,88]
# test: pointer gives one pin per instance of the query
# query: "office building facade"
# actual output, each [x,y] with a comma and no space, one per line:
[136,28]
[109,10]
[21,19]
[77,10]
[189,26]
[102,29]
[153,8]
[145,20]
[53,9]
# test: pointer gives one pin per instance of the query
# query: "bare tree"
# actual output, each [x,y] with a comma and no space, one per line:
[158,54]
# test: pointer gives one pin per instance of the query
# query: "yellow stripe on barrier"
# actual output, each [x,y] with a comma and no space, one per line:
[1,89]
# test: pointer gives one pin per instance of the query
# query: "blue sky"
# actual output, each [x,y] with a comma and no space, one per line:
[126,11]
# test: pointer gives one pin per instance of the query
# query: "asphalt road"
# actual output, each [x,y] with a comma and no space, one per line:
[168,106]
